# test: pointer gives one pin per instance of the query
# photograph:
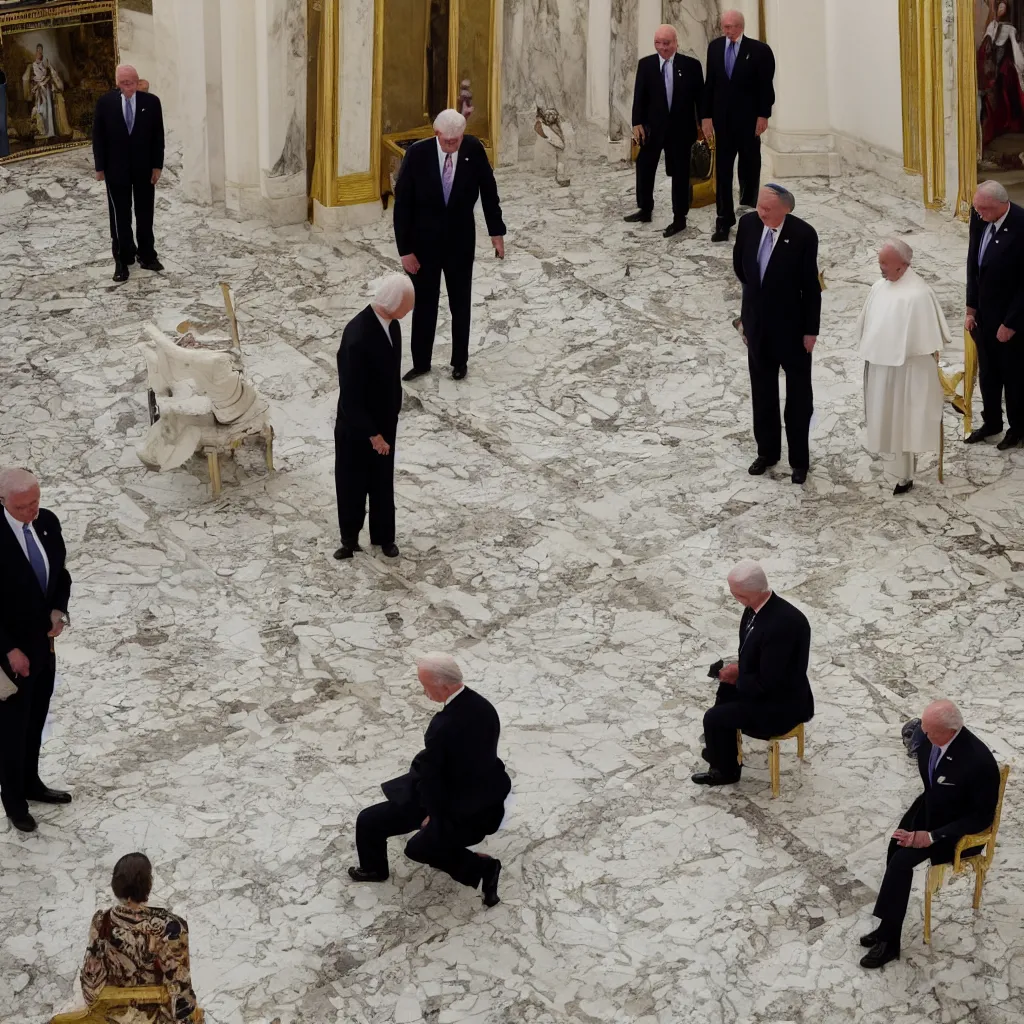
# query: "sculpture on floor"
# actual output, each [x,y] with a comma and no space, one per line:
[549,127]
[199,400]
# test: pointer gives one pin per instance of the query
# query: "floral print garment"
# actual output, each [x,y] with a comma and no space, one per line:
[141,945]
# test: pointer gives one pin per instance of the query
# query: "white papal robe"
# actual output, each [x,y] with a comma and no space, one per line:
[900,329]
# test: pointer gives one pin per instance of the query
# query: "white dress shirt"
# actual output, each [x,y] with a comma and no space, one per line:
[943,749]
[19,532]
[125,104]
[774,232]
[441,154]
[386,324]
[454,695]
[988,236]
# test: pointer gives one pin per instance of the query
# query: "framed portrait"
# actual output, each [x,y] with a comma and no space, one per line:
[56,59]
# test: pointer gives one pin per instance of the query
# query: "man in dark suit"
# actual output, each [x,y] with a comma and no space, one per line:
[995,310]
[766,692]
[738,100]
[33,612]
[438,185]
[961,789]
[369,400]
[452,796]
[128,150]
[776,261]
[665,98]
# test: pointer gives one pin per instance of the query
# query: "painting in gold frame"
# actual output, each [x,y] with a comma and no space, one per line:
[58,58]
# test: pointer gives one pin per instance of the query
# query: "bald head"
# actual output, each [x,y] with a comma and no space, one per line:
[19,494]
[941,721]
[748,583]
[733,24]
[666,41]
[127,80]
[991,201]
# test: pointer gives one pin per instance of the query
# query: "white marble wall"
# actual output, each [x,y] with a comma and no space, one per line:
[696,21]
[624,44]
[355,86]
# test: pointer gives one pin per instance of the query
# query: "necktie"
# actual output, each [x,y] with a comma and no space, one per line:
[667,69]
[129,116]
[393,334]
[764,254]
[447,175]
[35,557]
[933,760]
[986,238]
[730,58]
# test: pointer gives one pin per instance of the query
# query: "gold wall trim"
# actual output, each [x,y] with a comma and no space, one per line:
[325,162]
[933,148]
[967,108]
[910,86]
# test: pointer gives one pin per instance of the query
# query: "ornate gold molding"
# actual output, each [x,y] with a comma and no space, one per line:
[967,108]
[910,86]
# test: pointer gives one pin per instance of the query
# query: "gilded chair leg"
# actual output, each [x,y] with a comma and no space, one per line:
[800,744]
[979,882]
[214,463]
[268,440]
[739,748]
[773,768]
[928,911]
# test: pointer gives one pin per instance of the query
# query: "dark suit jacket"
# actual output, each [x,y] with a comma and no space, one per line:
[123,157]
[787,304]
[773,658]
[675,129]
[24,607]
[369,378]
[423,224]
[458,773]
[996,289]
[963,796]
[735,104]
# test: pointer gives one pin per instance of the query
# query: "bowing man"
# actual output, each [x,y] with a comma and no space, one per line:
[453,794]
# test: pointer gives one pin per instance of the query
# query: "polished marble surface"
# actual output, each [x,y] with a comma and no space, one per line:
[567,516]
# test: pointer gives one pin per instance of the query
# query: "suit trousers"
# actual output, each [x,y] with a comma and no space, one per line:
[900,861]
[730,144]
[119,205]
[759,718]
[647,168]
[1001,368]
[458,279]
[442,844]
[22,717]
[764,362]
[360,473]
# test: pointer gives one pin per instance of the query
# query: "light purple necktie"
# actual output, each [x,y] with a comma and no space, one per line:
[933,761]
[764,254]
[730,58]
[447,176]
[668,82]
[129,116]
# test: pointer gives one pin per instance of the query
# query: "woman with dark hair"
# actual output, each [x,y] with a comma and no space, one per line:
[134,944]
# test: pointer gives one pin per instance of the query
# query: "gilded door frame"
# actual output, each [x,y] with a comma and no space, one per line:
[967,108]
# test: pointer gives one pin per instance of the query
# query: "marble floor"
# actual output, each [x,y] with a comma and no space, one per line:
[232,696]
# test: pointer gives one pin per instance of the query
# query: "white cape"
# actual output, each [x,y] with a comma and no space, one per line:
[900,319]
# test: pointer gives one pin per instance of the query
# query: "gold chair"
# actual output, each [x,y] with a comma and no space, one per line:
[112,998]
[773,753]
[980,862]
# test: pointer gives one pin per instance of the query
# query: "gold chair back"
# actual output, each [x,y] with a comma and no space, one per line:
[111,998]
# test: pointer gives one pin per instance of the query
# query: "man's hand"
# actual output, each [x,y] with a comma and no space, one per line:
[707,126]
[57,622]
[19,663]
[915,840]
[761,127]
[639,135]
[100,176]
[970,320]
[1004,333]
[380,446]
[729,674]
[425,822]
[155,176]
[810,340]
[410,264]
[498,241]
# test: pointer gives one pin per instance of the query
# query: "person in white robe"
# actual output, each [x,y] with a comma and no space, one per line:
[900,333]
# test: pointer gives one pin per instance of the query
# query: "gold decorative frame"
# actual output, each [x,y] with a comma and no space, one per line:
[967,108]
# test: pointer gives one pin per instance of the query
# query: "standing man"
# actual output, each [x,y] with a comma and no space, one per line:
[33,612]
[776,260]
[452,796]
[901,331]
[738,100]
[961,789]
[766,692]
[665,113]
[995,311]
[438,185]
[128,148]
[369,400]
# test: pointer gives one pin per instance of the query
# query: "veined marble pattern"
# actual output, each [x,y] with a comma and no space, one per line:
[622,68]
[696,21]
[232,696]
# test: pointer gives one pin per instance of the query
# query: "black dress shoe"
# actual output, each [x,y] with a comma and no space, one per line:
[759,465]
[154,265]
[489,882]
[674,228]
[903,488]
[640,217]
[49,796]
[414,373]
[871,939]
[981,433]
[1012,440]
[347,549]
[120,272]
[720,235]
[26,824]
[458,372]
[880,954]
[359,875]
[799,476]
[390,550]
[714,777]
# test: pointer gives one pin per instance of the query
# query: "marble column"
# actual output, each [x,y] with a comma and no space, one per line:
[696,21]
[622,70]
[241,123]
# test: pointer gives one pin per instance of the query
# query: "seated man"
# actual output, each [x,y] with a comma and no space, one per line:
[961,789]
[767,692]
[452,796]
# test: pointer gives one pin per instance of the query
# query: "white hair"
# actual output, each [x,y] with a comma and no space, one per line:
[785,197]
[443,667]
[450,124]
[993,190]
[390,292]
[945,714]
[899,247]
[670,28]
[748,576]
[125,67]
[735,14]
[16,481]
